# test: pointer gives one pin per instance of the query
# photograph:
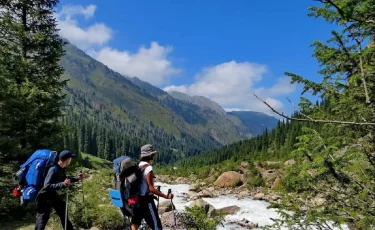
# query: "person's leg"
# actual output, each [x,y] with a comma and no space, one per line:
[138,214]
[151,215]
[42,214]
[135,227]
[59,205]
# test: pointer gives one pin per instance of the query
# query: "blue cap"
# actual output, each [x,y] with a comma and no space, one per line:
[66,154]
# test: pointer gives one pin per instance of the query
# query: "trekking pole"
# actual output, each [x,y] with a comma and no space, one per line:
[66,207]
[158,188]
[173,210]
[83,201]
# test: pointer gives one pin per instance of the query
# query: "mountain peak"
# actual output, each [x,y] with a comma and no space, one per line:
[198,100]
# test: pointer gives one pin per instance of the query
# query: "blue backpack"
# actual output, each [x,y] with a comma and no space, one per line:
[30,176]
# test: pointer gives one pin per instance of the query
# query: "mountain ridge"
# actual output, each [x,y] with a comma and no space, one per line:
[142,113]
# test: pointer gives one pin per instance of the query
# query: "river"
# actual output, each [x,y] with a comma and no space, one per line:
[254,211]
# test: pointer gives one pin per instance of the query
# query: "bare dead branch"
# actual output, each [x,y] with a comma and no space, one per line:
[316,120]
[298,110]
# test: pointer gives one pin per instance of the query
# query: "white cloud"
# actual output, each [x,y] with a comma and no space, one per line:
[233,84]
[72,10]
[235,109]
[97,34]
[149,64]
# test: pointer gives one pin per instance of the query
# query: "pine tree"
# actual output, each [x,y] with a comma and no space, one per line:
[336,158]
[31,96]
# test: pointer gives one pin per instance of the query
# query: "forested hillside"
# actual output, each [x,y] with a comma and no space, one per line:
[271,145]
[125,115]
[110,115]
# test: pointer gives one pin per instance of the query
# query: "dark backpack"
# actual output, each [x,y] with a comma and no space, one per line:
[127,179]
[30,176]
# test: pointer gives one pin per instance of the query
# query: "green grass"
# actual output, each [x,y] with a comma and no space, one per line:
[90,161]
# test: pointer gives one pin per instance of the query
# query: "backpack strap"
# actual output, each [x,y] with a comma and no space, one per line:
[143,167]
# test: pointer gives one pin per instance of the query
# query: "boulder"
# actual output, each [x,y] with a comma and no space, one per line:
[165,206]
[228,179]
[230,210]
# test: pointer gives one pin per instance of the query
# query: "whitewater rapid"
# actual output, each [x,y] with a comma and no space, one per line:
[254,211]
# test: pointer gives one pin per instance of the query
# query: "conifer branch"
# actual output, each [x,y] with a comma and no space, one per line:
[315,120]
[342,14]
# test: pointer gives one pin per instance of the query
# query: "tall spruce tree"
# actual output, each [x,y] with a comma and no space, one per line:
[333,180]
[31,96]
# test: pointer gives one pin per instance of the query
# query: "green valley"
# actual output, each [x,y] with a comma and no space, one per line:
[112,114]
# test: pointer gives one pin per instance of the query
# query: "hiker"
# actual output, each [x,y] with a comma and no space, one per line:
[147,209]
[48,197]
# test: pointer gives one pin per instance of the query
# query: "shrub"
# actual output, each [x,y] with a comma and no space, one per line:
[109,218]
[255,178]
[196,218]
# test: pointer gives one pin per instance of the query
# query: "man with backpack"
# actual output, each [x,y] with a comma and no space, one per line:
[48,197]
[147,209]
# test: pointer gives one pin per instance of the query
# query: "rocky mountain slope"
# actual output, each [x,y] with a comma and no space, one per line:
[255,122]
[248,123]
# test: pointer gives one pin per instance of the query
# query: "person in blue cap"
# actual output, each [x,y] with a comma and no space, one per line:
[48,197]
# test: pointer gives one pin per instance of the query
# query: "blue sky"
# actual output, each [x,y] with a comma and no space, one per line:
[225,50]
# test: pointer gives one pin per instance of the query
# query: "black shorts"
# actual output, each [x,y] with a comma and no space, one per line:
[148,211]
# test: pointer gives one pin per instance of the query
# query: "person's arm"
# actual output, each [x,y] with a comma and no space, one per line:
[152,189]
[74,179]
[48,181]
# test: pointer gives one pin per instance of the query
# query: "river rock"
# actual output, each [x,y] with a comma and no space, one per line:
[259,196]
[228,179]
[230,210]
[205,194]
[195,188]
[245,224]
[242,195]
[165,206]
